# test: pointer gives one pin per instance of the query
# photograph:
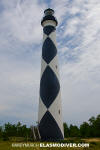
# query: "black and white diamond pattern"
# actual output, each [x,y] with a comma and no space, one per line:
[49,87]
[50,112]
[48,45]
[48,29]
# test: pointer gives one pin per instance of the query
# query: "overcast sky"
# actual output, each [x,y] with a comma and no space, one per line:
[78,40]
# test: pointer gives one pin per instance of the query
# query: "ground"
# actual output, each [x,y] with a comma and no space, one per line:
[94,145]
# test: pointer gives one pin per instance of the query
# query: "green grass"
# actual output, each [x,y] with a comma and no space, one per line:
[7,145]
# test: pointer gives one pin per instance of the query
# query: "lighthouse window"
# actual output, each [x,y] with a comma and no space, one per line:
[59,111]
[56,66]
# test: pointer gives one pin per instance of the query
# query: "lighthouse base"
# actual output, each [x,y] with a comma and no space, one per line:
[49,129]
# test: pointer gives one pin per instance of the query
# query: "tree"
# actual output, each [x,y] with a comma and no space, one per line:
[66,130]
[10,130]
[19,132]
[92,126]
[91,121]
[74,131]
[85,130]
[97,126]
[1,131]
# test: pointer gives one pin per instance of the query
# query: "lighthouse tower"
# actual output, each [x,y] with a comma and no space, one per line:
[50,110]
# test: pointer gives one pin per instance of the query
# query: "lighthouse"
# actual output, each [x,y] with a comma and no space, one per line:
[50,122]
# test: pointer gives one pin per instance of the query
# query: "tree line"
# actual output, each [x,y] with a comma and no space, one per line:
[86,129]
[14,130]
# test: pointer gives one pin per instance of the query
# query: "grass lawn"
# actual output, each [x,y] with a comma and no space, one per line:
[94,145]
